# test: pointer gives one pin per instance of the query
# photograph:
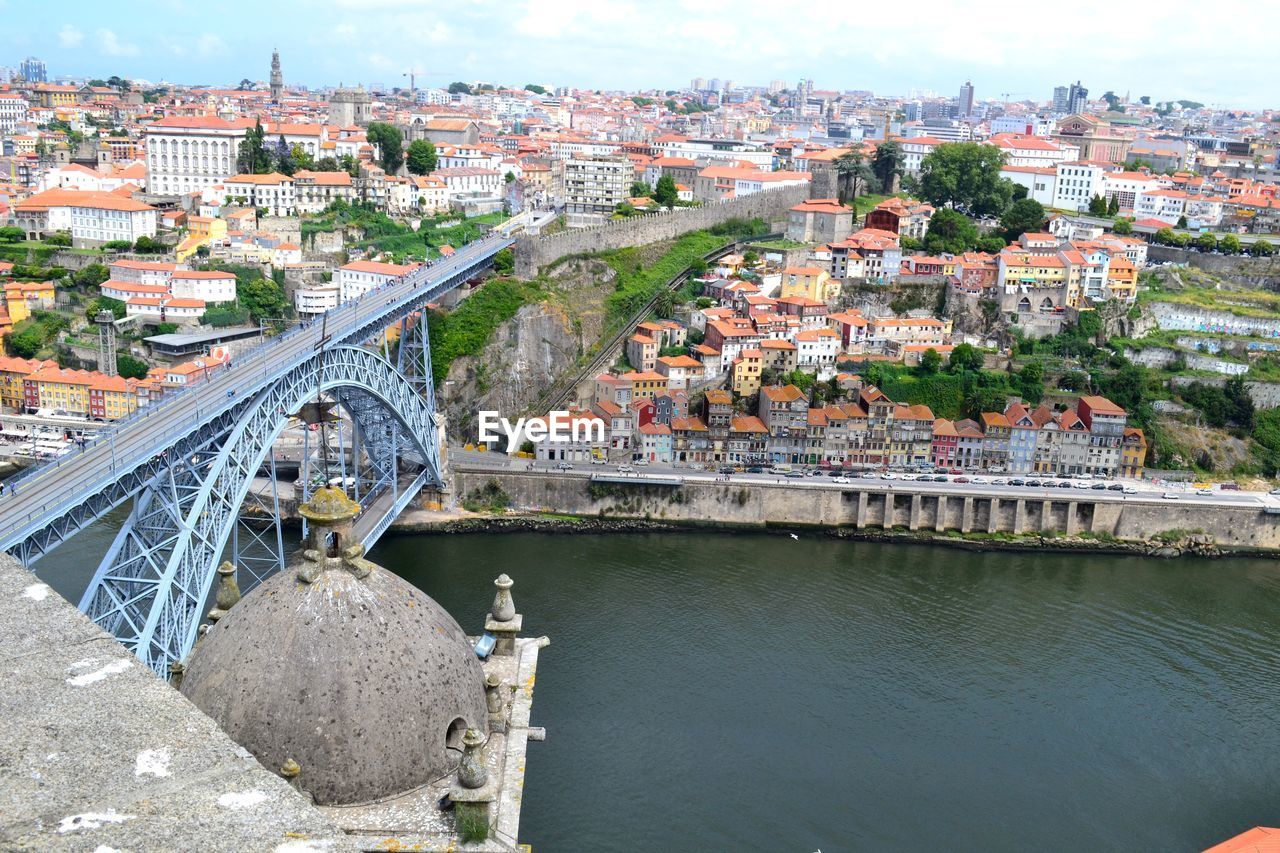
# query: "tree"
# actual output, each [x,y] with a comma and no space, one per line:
[1113,206]
[1181,223]
[1031,382]
[12,234]
[245,85]
[931,361]
[852,171]
[1098,206]
[1262,249]
[90,276]
[26,343]
[665,193]
[886,164]
[1206,242]
[282,158]
[625,208]
[302,157]
[327,164]
[253,157]
[1229,244]
[264,299]
[1023,215]
[504,262]
[950,231]
[390,144]
[105,303]
[1164,236]
[664,305]
[1122,226]
[459,88]
[148,246]
[535,88]
[640,189]
[965,175]
[422,157]
[965,357]
[58,238]
[130,367]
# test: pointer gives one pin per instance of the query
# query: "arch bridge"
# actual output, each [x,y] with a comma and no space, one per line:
[187,464]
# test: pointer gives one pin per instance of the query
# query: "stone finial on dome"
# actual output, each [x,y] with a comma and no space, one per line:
[504,607]
[329,507]
[329,543]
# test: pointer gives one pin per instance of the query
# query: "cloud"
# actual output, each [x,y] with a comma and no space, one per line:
[69,36]
[110,45]
[210,44]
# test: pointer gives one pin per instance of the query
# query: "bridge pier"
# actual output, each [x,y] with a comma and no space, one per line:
[966,516]
[940,520]
[914,523]
[860,520]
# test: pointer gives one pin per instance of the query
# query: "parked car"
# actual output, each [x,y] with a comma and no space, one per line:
[1204,491]
[1017,481]
[755,469]
[981,481]
[842,480]
[598,460]
[1117,487]
[726,469]
[888,475]
[1035,484]
[1130,490]
[1065,484]
[835,473]
[961,479]
[1170,496]
[564,466]
[909,477]
[1099,487]
[626,469]
[795,474]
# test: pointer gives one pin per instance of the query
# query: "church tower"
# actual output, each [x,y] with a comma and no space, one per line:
[277,79]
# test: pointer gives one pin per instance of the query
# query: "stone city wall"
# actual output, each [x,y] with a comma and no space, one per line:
[533,253]
[757,504]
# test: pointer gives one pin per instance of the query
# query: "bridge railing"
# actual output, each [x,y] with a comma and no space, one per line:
[252,371]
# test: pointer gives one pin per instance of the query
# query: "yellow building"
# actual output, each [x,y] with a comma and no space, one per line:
[201,231]
[23,297]
[13,373]
[1122,279]
[810,282]
[59,388]
[112,397]
[747,367]
[1133,453]
[645,383]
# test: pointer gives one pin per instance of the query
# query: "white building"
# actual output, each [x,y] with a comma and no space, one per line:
[1040,182]
[13,111]
[916,149]
[732,151]
[594,187]
[1127,186]
[165,309]
[1023,150]
[359,277]
[274,191]
[317,298]
[188,153]
[205,285]
[99,218]
[142,272]
[1078,182]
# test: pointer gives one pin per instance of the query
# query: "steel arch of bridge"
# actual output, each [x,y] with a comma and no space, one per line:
[151,586]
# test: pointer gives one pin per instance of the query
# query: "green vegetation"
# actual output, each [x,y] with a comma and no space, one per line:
[389,142]
[422,157]
[488,498]
[965,175]
[466,329]
[31,338]
[638,284]
[130,367]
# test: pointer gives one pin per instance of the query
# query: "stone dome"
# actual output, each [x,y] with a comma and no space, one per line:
[362,679]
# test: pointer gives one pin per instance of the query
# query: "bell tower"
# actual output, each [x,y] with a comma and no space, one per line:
[277,78]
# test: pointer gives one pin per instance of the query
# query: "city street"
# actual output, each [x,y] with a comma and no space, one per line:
[1147,491]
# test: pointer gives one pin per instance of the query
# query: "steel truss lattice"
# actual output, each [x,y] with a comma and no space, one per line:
[152,584]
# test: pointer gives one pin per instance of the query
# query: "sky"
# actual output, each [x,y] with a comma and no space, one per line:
[1025,49]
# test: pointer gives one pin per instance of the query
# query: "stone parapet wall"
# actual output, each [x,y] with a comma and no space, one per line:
[534,253]
[754,504]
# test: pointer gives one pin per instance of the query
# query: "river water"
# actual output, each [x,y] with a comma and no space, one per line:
[754,692]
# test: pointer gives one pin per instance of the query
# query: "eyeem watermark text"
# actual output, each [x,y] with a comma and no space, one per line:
[559,426]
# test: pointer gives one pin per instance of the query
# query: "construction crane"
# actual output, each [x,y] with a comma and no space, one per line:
[413,75]
[1006,95]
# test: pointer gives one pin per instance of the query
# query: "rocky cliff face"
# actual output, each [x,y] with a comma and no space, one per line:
[526,353]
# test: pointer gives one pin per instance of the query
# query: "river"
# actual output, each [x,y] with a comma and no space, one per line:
[754,692]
